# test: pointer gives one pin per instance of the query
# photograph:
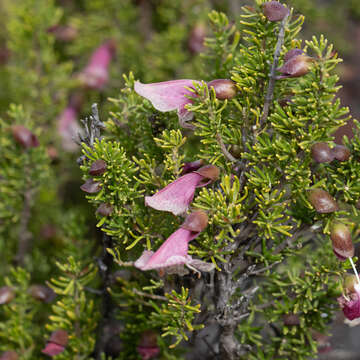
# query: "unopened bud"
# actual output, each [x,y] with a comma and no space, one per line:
[322,201]
[291,320]
[6,295]
[63,33]
[97,168]
[24,137]
[42,293]
[275,11]
[349,282]
[59,337]
[196,221]
[341,153]
[295,67]
[90,186]
[224,88]
[292,53]
[105,209]
[211,172]
[196,39]
[322,153]
[341,241]
[192,166]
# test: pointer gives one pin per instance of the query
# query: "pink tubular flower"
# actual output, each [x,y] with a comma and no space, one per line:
[148,347]
[68,128]
[350,304]
[177,196]
[96,74]
[174,251]
[169,95]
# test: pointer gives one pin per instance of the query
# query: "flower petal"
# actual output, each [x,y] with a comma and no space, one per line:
[172,252]
[166,95]
[176,196]
[351,306]
[52,349]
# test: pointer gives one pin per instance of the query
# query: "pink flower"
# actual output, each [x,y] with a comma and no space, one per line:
[96,74]
[68,128]
[148,347]
[169,95]
[174,251]
[350,304]
[177,196]
[57,343]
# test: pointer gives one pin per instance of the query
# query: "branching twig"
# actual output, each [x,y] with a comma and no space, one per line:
[150,296]
[271,86]
[224,150]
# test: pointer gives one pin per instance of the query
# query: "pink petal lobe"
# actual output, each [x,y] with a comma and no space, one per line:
[166,95]
[172,252]
[351,305]
[147,353]
[177,196]
[52,349]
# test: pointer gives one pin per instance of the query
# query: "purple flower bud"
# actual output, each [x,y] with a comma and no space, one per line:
[196,222]
[105,209]
[169,95]
[341,153]
[90,186]
[63,33]
[196,39]
[292,53]
[98,167]
[296,66]
[322,201]
[177,196]
[96,73]
[275,11]
[192,166]
[42,293]
[24,137]
[341,241]
[6,295]
[322,153]
[224,88]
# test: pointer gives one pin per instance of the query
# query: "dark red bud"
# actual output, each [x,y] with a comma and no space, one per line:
[275,11]
[297,66]
[322,201]
[322,153]
[341,153]
[105,209]
[341,241]
[42,293]
[211,172]
[6,295]
[24,137]
[285,101]
[196,39]
[9,355]
[97,168]
[292,53]
[291,320]
[196,221]
[63,33]
[224,88]
[192,166]
[59,337]
[90,186]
